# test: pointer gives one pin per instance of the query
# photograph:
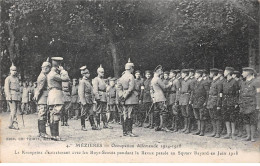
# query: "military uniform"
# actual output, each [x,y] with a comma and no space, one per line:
[139,112]
[75,101]
[55,99]
[41,93]
[112,101]
[147,101]
[173,102]
[67,103]
[185,92]
[99,88]
[198,100]
[12,93]
[86,98]
[158,88]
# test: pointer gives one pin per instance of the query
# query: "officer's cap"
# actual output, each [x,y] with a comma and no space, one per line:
[57,58]
[214,70]
[236,72]
[177,70]
[148,71]
[112,79]
[192,70]
[166,72]
[185,70]
[220,71]
[248,69]
[83,68]
[229,69]
[205,71]
[159,67]
[46,63]
[200,71]
[138,71]
[172,71]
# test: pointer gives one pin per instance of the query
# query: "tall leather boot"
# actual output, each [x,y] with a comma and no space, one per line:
[130,128]
[98,121]
[198,128]
[39,127]
[43,127]
[188,126]
[185,124]
[92,122]
[83,123]
[213,122]
[157,121]
[161,122]
[164,123]
[52,129]
[233,130]
[218,129]
[66,117]
[248,133]
[124,127]
[152,121]
[228,135]
[202,128]
[253,130]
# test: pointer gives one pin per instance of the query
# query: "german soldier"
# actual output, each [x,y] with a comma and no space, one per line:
[12,93]
[75,99]
[159,100]
[55,100]
[40,96]
[86,98]
[248,102]
[112,99]
[129,97]
[230,102]
[100,91]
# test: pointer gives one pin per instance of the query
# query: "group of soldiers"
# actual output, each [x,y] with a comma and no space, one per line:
[175,101]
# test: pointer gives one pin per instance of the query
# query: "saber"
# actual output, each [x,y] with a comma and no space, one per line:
[147,114]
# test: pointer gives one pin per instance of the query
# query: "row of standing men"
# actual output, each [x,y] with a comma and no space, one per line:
[172,100]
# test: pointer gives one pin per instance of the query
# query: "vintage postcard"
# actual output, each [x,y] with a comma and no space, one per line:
[131,81]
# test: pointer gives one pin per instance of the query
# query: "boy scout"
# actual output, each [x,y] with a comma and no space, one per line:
[248,105]
[86,98]
[55,101]
[172,98]
[184,101]
[40,96]
[112,100]
[230,102]
[198,100]
[75,99]
[129,98]
[67,103]
[139,112]
[214,103]
[100,91]
[12,93]
[147,100]
[159,100]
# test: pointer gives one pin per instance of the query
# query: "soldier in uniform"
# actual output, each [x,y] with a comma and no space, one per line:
[147,100]
[40,96]
[139,112]
[25,98]
[100,91]
[172,98]
[198,100]
[12,93]
[67,103]
[214,103]
[86,98]
[129,98]
[230,102]
[55,101]
[75,99]
[248,102]
[157,93]
[184,101]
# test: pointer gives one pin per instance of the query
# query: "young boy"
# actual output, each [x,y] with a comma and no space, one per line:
[25,98]
[112,100]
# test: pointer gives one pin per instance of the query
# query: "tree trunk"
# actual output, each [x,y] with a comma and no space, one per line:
[11,44]
[112,47]
[258,37]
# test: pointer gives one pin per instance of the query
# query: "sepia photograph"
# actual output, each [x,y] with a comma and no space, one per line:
[129,81]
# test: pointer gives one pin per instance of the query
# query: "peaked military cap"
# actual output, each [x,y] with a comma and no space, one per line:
[229,69]
[138,71]
[200,71]
[215,70]
[57,58]
[148,71]
[185,70]
[159,67]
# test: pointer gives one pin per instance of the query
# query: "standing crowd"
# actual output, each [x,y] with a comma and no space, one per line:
[176,101]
